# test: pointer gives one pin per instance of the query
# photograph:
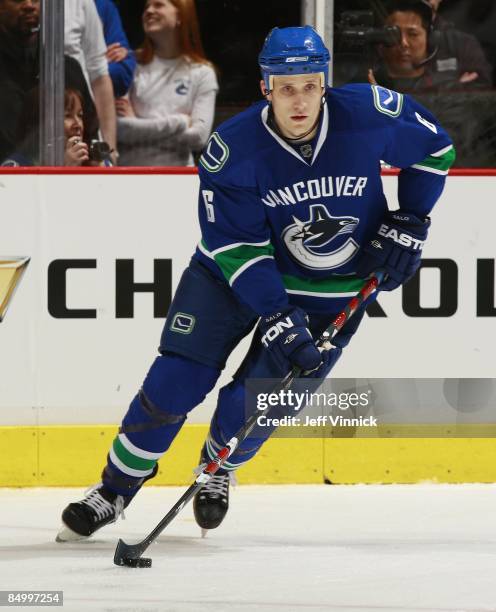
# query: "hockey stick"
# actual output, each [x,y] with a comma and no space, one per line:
[130,554]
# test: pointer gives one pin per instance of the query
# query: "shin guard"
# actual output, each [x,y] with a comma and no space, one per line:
[154,418]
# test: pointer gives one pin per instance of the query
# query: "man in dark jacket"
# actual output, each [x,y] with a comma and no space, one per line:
[19,69]
[459,49]
[19,66]
[427,59]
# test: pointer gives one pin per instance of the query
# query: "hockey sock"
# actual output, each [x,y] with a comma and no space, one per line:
[226,421]
[153,420]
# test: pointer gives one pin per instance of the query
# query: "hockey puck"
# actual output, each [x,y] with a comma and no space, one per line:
[140,562]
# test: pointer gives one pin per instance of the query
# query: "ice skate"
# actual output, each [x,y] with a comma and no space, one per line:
[100,507]
[211,503]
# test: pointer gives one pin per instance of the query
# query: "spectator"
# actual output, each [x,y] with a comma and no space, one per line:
[77,127]
[170,110]
[120,58]
[76,149]
[85,42]
[18,64]
[19,69]
[459,51]
[416,63]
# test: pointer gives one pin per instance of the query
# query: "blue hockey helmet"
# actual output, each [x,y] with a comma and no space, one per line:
[296,50]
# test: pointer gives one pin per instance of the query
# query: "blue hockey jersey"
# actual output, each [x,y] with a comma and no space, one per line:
[284,224]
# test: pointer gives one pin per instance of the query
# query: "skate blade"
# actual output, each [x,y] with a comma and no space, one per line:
[67,535]
[204,532]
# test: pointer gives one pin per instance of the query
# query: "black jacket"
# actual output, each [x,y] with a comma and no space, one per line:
[19,75]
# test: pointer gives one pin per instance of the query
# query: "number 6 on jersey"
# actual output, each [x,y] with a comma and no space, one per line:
[208,198]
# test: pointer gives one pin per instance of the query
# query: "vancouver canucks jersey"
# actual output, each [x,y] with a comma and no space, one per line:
[284,224]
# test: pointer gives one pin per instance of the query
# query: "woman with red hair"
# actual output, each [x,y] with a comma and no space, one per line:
[170,109]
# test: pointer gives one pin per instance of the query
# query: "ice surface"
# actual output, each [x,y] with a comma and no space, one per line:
[281,548]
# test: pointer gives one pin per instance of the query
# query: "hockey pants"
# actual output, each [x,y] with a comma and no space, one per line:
[204,324]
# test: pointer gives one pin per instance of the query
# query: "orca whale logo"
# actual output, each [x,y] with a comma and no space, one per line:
[182,88]
[309,241]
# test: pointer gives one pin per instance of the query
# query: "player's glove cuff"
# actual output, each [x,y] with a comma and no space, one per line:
[396,248]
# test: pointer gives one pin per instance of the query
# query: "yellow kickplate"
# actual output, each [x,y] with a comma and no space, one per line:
[70,455]
[18,456]
[410,460]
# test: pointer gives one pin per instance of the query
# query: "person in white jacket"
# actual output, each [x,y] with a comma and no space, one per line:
[170,108]
[84,42]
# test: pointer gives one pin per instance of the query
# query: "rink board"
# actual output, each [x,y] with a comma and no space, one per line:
[76,342]
[74,456]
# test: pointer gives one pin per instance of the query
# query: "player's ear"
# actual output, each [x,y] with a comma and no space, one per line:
[264,91]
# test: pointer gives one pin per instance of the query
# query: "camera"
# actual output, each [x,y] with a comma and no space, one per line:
[100,151]
[356,29]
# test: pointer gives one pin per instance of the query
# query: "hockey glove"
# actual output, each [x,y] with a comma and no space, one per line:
[329,358]
[287,337]
[330,353]
[396,248]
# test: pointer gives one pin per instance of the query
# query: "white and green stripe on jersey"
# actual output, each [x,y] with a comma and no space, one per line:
[132,460]
[234,259]
[439,162]
[336,287]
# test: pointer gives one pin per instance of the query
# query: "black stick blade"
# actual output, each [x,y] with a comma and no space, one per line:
[129,555]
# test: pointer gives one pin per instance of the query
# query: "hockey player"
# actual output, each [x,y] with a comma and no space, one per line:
[293,218]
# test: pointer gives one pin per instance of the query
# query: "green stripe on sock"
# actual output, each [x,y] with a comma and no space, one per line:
[132,461]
